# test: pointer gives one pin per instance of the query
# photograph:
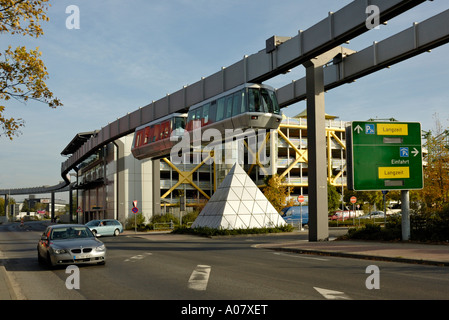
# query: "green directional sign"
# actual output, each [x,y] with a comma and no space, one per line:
[384,156]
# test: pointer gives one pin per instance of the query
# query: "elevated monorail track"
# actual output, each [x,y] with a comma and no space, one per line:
[329,33]
[278,57]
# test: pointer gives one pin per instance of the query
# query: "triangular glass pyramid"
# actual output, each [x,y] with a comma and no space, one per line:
[238,204]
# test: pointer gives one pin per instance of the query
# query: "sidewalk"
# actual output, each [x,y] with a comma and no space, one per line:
[408,252]
[6,290]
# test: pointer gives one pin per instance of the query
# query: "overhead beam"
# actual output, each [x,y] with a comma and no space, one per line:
[419,38]
[337,28]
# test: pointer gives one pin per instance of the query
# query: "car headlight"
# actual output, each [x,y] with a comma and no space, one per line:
[101,248]
[60,251]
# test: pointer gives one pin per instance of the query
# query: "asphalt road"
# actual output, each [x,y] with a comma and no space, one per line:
[189,268]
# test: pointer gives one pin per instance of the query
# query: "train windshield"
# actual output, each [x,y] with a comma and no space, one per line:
[262,100]
[179,123]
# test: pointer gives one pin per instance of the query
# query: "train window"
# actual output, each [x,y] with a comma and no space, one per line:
[190,118]
[269,101]
[147,135]
[254,100]
[138,138]
[236,105]
[179,123]
[151,134]
[205,115]
[228,107]
[156,132]
[198,114]
[212,111]
[165,132]
[220,109]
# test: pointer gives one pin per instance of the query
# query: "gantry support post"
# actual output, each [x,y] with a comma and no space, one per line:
[316,135]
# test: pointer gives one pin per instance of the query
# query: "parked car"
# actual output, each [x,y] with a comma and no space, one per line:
[374,214]
[343,215]
[105,227]
[293,214]
[65,244]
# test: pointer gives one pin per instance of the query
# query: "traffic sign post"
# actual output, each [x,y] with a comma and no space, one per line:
[300,200]
[353,201]
[384,156]
[135,210]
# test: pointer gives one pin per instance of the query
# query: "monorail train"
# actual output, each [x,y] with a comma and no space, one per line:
[246,106]
[152,140]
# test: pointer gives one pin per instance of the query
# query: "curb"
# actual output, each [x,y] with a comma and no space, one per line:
[11,292]
[363,256]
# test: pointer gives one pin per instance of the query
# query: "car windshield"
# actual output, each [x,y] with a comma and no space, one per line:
[70,233]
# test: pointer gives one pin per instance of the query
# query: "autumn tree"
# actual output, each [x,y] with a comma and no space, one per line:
[22,72]
[276,192]
[436,169]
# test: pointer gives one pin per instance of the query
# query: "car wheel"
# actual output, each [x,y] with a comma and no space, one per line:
[50,265]
[116,232]
[39,258]
[94,232]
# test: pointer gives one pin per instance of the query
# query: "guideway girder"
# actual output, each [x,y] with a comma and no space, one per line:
[337,28]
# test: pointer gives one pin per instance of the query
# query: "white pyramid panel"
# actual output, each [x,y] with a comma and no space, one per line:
[246,195]
[260,195]
[244,221]
[243,209]
[241,177]
[228,221]
[236,183]
[226,183]
[257,209]
[228,209]
[252,190]
[238,191]
[232,195]
[235,204]
[238,204]
[248,204]
[263,204]
[259,220]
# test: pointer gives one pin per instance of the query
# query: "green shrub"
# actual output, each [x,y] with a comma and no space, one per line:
[210,232]
[138,219]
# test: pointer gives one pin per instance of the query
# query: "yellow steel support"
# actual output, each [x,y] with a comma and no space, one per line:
[301,155]
[257,154]
[185,177]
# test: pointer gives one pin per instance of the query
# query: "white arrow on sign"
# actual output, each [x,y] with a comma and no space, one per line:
[415,152]
[358,129]
[331,294]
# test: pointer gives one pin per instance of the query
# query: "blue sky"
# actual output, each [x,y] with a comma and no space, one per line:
[128,53]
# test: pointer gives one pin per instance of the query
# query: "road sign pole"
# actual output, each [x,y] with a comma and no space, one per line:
[405,208]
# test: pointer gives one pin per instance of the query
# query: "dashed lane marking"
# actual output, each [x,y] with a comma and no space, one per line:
[199,278]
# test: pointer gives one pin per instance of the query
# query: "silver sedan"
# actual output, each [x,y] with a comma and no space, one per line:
[67,244]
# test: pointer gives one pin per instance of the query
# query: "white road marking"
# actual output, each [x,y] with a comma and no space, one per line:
[137,257]
[332,294]
[199,278]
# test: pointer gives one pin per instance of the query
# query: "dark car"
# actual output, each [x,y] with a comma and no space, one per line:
[296,214]
[68,244]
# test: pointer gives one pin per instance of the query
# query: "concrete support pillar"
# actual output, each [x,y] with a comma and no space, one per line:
[316,135]
[156,175]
